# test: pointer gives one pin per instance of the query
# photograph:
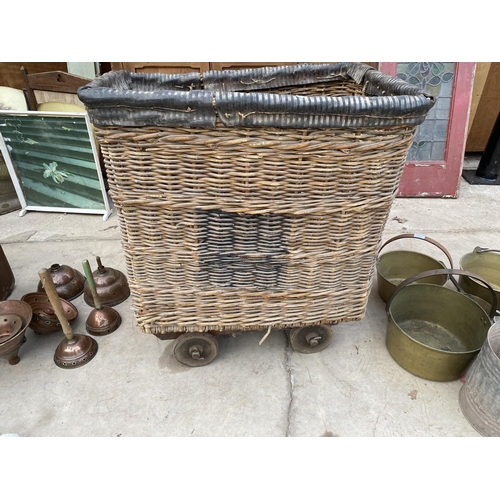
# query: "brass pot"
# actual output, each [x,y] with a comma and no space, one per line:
[485,263]
[484,304]
[111,286]
[9,348]
[435,332]
[69,282]
[398,265]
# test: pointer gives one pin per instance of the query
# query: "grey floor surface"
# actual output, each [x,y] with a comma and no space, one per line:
[134,386]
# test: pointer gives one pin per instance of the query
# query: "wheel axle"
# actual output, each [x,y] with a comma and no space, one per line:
[196,352]
[195,349]
[309,339]
[313,339]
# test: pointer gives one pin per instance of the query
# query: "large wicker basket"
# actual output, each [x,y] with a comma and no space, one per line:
[252,198]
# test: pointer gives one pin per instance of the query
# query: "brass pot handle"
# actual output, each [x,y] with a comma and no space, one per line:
[449,272]
[484,250]
[420,237]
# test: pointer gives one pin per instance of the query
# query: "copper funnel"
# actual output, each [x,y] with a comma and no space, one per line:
[102,320]
[76,349]
[67,281]
[110,284]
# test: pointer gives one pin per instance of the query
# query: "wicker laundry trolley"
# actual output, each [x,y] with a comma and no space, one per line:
[252,199]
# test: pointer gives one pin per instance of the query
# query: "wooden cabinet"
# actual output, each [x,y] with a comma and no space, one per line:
[161,67]
[188,67]
[245,65]
[485,106]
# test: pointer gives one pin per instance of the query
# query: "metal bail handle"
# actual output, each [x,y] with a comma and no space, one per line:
[420,237]
[484,250]
[427,274]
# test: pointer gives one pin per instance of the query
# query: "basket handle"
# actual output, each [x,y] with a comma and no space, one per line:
[449,272]
[420,237]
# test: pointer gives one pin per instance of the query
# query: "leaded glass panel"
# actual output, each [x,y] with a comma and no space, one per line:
[437,79]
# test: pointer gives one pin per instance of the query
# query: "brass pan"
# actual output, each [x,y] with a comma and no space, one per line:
[396,266]
[485,263]
[435,332]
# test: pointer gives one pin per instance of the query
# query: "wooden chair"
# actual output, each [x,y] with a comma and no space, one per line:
[59,84]
[51,81]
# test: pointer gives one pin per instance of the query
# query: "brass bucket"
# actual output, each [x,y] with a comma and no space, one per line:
[396,266]
[435,332]
[485,263]
[479,397]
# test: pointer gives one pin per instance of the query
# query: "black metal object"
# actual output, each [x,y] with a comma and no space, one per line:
[488,169]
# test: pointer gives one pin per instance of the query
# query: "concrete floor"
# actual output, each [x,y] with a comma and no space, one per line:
[135,387]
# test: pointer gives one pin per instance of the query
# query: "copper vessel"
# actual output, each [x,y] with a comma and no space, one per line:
[44,319]
[10,344]
[111,286]
[75,349]
[7,280]
[68,281]
[102,320]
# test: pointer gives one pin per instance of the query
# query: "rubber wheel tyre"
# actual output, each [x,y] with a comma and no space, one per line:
[196,349]
[310,339]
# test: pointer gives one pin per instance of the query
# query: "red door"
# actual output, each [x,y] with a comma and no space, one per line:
[435,160]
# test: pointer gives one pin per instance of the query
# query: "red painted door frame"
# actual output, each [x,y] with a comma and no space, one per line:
[441,178]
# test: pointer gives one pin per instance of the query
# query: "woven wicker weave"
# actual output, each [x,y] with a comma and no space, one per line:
[230,228]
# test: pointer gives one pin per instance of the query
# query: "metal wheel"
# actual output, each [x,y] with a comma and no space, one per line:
[196,349]
[310,339]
